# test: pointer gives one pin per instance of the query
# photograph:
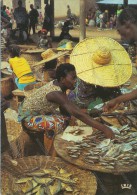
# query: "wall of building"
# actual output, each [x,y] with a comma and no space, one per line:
[60,6]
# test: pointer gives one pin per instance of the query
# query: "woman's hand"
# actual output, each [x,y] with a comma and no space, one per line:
[112,105]
[109,133]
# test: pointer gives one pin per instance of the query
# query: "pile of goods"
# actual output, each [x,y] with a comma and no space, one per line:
[126,118]
[50,182]
[96,150]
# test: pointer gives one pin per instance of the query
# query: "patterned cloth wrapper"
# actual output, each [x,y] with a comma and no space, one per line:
[56,123]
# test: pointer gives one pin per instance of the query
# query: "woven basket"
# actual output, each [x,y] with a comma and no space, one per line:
[86,183]
[32,58]
[14,130]
[7,86]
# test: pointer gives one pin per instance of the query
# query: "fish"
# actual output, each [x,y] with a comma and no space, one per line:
[28,187]
[36,173]
[126,147]
[74,156]
[65,180]
[45,181]
[113,151]
[66,187]
[49,171]
[55,188]
[35,189]
[41,191]
[104,143]
[23,180]
[34,183]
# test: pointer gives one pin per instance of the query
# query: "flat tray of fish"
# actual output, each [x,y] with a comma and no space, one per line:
[96,152]
[41,175]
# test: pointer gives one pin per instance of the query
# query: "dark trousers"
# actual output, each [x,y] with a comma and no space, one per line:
[32,25]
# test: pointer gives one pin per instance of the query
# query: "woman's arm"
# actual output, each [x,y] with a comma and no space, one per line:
[123,98]
[61,99]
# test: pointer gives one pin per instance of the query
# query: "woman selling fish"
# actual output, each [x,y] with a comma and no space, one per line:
[38,111]
[102,61]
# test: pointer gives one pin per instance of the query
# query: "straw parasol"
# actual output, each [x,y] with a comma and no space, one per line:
[101,61]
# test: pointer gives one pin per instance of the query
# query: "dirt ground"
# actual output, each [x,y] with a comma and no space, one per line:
[90,32]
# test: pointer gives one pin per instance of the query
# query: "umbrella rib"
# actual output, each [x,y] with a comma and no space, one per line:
[100,67]
[90,52]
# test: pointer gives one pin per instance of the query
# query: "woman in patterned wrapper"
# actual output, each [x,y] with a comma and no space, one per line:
[38,111]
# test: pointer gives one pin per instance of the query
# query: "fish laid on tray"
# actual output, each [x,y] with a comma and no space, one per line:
[97,149]
[50,182]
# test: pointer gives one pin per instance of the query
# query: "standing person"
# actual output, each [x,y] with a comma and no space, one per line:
[33,17]
[4,13]
[105,18]
[21,68]
[8,11]
[47,18]
[40,18]
[119,10]
[21,17]
[127,28]
[97,18]
[111,22]
[68,12]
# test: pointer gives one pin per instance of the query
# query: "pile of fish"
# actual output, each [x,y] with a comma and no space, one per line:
[50,182]
[96,148]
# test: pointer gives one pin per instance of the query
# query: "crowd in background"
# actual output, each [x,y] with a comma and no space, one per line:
[103,20]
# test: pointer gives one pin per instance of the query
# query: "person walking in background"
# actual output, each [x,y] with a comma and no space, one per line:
[33,18]
[68,12]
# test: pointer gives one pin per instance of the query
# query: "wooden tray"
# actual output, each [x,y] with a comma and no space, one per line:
[60,147]
[112,121]
[11,172]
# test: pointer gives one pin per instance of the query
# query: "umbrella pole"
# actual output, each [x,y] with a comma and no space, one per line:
[82,19]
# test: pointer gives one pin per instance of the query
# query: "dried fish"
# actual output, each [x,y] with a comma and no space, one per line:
[126,147]
[28,187]
[65,180]
[49,171]
[45,181]
[41,191]
[23,180]
[66,187]
[55,188]
[36,173]
[114,151]
[74,156]
[104,143]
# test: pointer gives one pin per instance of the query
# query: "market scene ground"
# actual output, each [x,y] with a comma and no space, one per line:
[69,98]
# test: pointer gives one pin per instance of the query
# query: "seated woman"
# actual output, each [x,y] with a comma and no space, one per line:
[23,73]
[44,41]
[38,111]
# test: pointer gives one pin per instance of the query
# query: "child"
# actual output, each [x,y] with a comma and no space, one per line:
[44,41]
[21,68]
